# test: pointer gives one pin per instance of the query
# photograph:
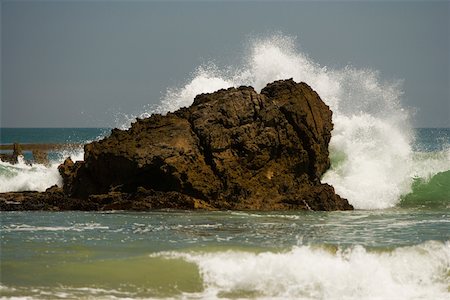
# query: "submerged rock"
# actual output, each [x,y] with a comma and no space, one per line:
[232,149]
[12,158]
[40,157]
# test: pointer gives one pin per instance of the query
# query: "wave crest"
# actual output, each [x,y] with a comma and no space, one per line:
[35,177]
[307,272]
[372,136]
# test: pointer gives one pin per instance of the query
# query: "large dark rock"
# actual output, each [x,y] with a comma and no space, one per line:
[232,149]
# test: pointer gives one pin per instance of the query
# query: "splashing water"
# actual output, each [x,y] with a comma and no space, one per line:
[372,157]
[24,176]
[36,177]
[21,177]
[305,272]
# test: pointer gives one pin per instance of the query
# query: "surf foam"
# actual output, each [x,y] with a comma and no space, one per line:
[305,272]
[36,177]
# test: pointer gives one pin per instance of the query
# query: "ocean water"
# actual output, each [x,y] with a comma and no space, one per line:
[22,176]
[389,254]
[395,245]
[50,135]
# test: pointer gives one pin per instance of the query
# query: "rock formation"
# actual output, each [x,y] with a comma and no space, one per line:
[232,149]
[38,156]
[12,158]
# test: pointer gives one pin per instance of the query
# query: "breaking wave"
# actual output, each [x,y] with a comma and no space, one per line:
[29,176]
[300,272]
[433,193]
[307,272]
[373,161]
[33,177]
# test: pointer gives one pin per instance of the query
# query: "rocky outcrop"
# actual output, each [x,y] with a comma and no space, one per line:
[232,149]
[12,158]
[54,199]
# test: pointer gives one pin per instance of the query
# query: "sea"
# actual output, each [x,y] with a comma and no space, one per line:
[394,245]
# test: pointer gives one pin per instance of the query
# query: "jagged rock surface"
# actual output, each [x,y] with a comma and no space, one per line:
[232,149]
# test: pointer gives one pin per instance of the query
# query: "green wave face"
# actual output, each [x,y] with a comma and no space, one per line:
[433,193]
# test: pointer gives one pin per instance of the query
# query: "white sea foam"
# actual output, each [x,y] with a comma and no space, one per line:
[36,177]
[373,161]
[426,164]
[79,227]
[304,272]
[23,177]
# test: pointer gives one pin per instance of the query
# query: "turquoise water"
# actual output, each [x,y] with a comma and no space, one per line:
[432,139]
[401,251]
[50,135]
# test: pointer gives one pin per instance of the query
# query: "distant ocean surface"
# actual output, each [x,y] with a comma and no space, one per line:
[50,135]
[63,136]
[395,245]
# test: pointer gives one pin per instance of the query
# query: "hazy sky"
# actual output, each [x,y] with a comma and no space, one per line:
[81,63]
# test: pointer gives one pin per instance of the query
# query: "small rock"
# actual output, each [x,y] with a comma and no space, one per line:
[40,157]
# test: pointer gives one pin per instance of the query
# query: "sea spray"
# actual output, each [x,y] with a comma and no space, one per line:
[375,170]
[28,176]
[371,145]
[33,177]
[24,177]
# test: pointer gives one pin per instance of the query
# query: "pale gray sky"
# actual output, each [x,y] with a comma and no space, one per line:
[80,63]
